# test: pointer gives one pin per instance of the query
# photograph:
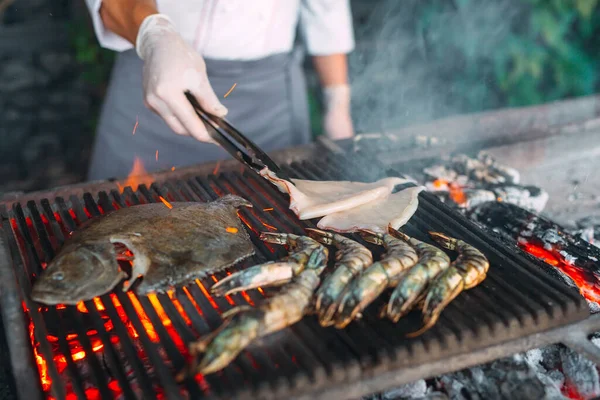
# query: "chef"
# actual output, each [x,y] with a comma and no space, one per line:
[208,47]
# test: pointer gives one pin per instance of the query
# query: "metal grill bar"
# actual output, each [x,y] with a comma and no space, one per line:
[152,332]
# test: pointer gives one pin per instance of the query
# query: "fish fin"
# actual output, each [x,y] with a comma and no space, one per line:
[141,259]
[234,201]
[235,310]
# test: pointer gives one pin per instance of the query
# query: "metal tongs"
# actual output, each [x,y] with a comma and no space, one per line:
[235,143]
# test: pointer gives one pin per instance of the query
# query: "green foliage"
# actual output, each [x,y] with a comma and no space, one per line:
[474,55]
[544,50]
[95,62]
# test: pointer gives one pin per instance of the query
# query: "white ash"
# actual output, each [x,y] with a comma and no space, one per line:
[536,374]
[551,236]
[481,180]
[412,390]
[581,373]
[433,396]
[568,258]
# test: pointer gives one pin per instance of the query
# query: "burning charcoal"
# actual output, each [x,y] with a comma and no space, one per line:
[519,377]
[466,198]
[441,172]
[580,374]
[511,175]
[530,198]
[408,391]
[546,240]
[484,169]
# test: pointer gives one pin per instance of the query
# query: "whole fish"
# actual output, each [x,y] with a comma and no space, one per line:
[170,246]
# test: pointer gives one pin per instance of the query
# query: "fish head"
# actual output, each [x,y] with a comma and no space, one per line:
[78,273]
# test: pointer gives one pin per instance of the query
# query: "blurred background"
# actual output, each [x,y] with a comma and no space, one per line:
[415,60]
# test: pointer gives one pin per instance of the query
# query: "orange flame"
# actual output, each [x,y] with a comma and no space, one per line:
[457,194]
[231,229]
[137,176]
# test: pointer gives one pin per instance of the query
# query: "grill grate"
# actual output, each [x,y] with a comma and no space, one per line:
[129,346]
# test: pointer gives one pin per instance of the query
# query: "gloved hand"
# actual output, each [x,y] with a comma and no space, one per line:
[337,122]
[172,67]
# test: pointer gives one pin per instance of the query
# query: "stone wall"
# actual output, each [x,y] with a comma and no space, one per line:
[44,103]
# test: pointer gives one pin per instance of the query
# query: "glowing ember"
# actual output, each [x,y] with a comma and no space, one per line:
[156,155]
[137,176]
[179,307]
[231,229]
[136,124]
[230,90]
[205,292]
[81,307]
[40,361]
[587,289]
[440,184]
[148,327]
[268,209]
[173,168]
[165,202]
[457,194]
[216,170]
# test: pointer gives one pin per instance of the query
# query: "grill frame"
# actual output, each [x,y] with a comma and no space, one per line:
[349,380]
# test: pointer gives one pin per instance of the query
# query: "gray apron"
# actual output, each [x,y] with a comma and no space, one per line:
[268,104]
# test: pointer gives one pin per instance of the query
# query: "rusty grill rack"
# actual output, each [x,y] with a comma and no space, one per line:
[128,346]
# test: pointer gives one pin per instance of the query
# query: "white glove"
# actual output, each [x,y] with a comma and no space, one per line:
[172,67]
[337,122]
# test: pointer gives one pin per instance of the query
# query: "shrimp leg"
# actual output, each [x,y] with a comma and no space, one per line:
[273,273]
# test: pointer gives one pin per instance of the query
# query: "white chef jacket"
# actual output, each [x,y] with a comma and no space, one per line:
[249,29]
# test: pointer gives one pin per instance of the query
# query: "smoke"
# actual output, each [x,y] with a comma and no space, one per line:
[421,60]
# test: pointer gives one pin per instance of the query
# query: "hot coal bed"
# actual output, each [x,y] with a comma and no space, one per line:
[121,345]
